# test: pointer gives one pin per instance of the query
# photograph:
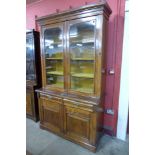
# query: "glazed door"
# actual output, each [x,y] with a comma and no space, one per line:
[82,50]
[53,49]
[30,58]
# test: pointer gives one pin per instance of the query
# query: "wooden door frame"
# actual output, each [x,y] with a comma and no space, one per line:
[98,50]
[43,64]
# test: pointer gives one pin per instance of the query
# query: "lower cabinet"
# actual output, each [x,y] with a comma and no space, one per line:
[70,119]
[31,104]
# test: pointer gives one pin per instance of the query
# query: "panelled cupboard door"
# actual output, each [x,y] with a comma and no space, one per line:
[78,124]
[50,114]
[29,102]
[53,56]
[82,52]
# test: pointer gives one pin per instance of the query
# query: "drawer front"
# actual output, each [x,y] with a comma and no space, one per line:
[77,111]
[77,124]
[50,114]
[51,98]
[29,103]
[79,105]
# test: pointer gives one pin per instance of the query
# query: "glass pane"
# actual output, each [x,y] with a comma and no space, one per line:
[30,68]
[54,57]
[82,56]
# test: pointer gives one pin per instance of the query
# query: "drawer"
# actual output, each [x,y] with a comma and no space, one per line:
[79,105]
[51,104]
[51,98]
[77,112]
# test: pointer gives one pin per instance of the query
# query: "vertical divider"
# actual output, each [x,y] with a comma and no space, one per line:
[98,57]
[67,56]
[43,57]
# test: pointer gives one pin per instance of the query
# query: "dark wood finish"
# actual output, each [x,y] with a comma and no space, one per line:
[51,113]
[32,85]
[75,115]
[29,102]
[77,122]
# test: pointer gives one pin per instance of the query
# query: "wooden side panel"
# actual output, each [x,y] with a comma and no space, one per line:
[29,102]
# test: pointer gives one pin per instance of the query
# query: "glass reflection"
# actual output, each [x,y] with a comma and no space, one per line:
[30,68]
[54,57]
[82,56]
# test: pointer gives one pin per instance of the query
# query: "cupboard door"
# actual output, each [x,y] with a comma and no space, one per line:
[82,46]
[29,102]
[50,114]
[77,124]
[54,56]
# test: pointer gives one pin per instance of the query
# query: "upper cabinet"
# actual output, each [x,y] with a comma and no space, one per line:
[33,68]
[30,58]
[72,50]
[33,73]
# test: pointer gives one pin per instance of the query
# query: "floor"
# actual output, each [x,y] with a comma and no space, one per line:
[42,142]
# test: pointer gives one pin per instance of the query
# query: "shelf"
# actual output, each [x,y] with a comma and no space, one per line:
[83,75]
[60,85]
[49,67]
[55,73]
[85,90]
[83,59]
[56,43]
[50,79]
[54,58]
[81,42]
